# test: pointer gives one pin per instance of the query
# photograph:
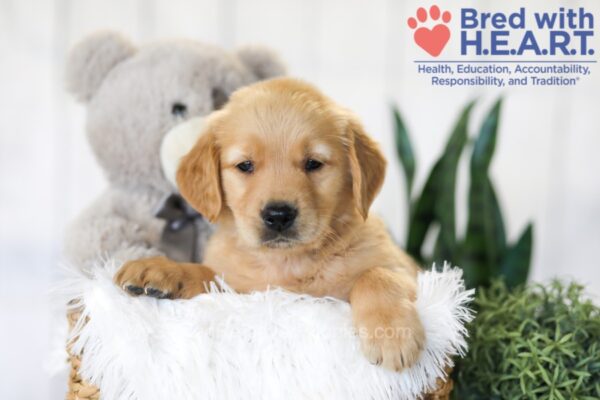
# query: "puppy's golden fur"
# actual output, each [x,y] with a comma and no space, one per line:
[334,249]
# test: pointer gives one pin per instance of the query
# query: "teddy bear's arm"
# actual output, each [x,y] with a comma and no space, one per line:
[105,231]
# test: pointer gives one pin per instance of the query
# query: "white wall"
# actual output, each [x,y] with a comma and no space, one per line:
[358,52]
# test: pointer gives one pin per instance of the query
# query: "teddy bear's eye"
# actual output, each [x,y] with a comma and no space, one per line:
[179,109]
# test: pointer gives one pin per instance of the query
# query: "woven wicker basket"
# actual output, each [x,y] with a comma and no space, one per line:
[81,390]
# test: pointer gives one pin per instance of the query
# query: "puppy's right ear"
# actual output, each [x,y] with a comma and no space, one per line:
[90,61]
[199,177]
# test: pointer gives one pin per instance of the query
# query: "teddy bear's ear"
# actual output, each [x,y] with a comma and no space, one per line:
[90,61]
[263,62]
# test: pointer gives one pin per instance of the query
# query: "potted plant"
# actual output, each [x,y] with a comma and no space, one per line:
[527,342]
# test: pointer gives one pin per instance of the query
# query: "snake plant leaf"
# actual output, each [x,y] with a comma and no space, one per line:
[516,263]
[485,240]
[498,225]
[422,215]
[484,147]
[484,245]
[436,201]
[444,208]
[442,253]
[404,150]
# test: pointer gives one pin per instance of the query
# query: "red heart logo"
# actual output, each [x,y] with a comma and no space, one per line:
[433,40]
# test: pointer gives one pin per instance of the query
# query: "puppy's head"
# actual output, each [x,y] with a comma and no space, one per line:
[291,167]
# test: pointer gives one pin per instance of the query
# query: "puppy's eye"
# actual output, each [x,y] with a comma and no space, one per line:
[179,109]
[246,167]
[312,165]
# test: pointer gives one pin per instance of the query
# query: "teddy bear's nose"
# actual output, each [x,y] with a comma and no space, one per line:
[279,216]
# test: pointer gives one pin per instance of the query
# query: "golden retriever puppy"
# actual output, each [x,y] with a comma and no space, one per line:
[288,177]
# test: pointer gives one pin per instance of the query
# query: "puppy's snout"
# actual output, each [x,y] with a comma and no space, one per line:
[279,216]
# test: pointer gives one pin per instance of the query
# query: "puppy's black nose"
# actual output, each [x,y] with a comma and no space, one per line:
[279,216]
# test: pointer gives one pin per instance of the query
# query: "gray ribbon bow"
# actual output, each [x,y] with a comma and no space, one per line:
[181,234]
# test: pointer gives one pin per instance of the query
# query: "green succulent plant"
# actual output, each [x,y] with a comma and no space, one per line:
[483,252]
[532,342]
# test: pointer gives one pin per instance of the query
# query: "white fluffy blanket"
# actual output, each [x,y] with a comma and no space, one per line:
[270,345]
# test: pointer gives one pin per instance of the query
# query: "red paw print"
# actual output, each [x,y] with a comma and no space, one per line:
[433,40]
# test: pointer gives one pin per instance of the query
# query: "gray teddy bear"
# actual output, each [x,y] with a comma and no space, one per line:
[134,96]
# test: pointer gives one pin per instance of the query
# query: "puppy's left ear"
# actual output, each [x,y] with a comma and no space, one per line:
[199,177]
[367,166]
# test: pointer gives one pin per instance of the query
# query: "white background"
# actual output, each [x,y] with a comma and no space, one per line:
[359,52]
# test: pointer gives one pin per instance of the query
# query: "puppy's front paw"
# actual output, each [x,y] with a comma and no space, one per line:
[156,277]
[392,338]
